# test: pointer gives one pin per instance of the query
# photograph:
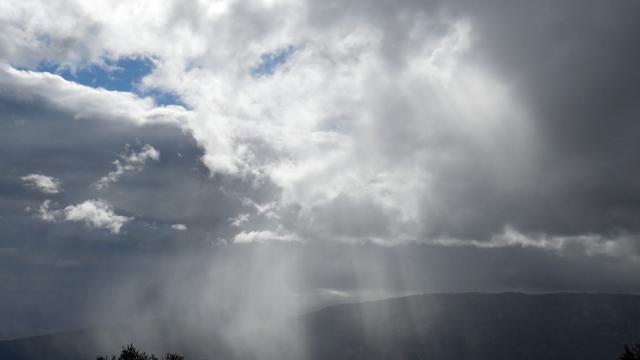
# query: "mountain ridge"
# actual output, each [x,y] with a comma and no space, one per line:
[444,326]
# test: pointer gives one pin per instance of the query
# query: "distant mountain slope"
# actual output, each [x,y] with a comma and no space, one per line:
[477,326]
[442,326]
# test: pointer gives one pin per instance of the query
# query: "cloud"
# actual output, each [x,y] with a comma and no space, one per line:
[304,141]
[93,213]
[179,227]
[43,183]
[129,161]
[45,213]
[431,121]
[239,220]
[82,152]
[265,236]
[86,102]
[614,245]
[96,213]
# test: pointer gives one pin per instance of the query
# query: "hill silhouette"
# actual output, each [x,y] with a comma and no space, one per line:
[439,326]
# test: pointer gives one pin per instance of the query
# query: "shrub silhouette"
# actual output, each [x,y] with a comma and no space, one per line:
[631,352]
[131,353]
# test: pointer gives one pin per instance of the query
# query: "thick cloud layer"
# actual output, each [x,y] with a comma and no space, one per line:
[394,139]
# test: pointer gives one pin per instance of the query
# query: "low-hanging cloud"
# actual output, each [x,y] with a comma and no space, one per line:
[95,213]
[43,183]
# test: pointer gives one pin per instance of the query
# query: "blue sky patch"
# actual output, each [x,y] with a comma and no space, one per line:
[271,61]
[124,74]
[163,97]
[121,75]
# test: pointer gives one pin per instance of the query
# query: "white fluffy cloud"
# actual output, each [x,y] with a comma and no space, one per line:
[43,183]
[93,213]
[96,213]
[379,122]
[341,117]
[83,101]
[129,161]
[264,236]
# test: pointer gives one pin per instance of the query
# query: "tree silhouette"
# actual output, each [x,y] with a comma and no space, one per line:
[131,353]
[631,352]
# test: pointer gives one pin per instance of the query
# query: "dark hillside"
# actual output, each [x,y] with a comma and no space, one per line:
[442,326]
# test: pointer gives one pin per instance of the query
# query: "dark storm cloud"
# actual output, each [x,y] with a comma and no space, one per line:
[55,266]
[573,67]
[40,137]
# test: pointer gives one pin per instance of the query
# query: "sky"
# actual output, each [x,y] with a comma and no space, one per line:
[255,159]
